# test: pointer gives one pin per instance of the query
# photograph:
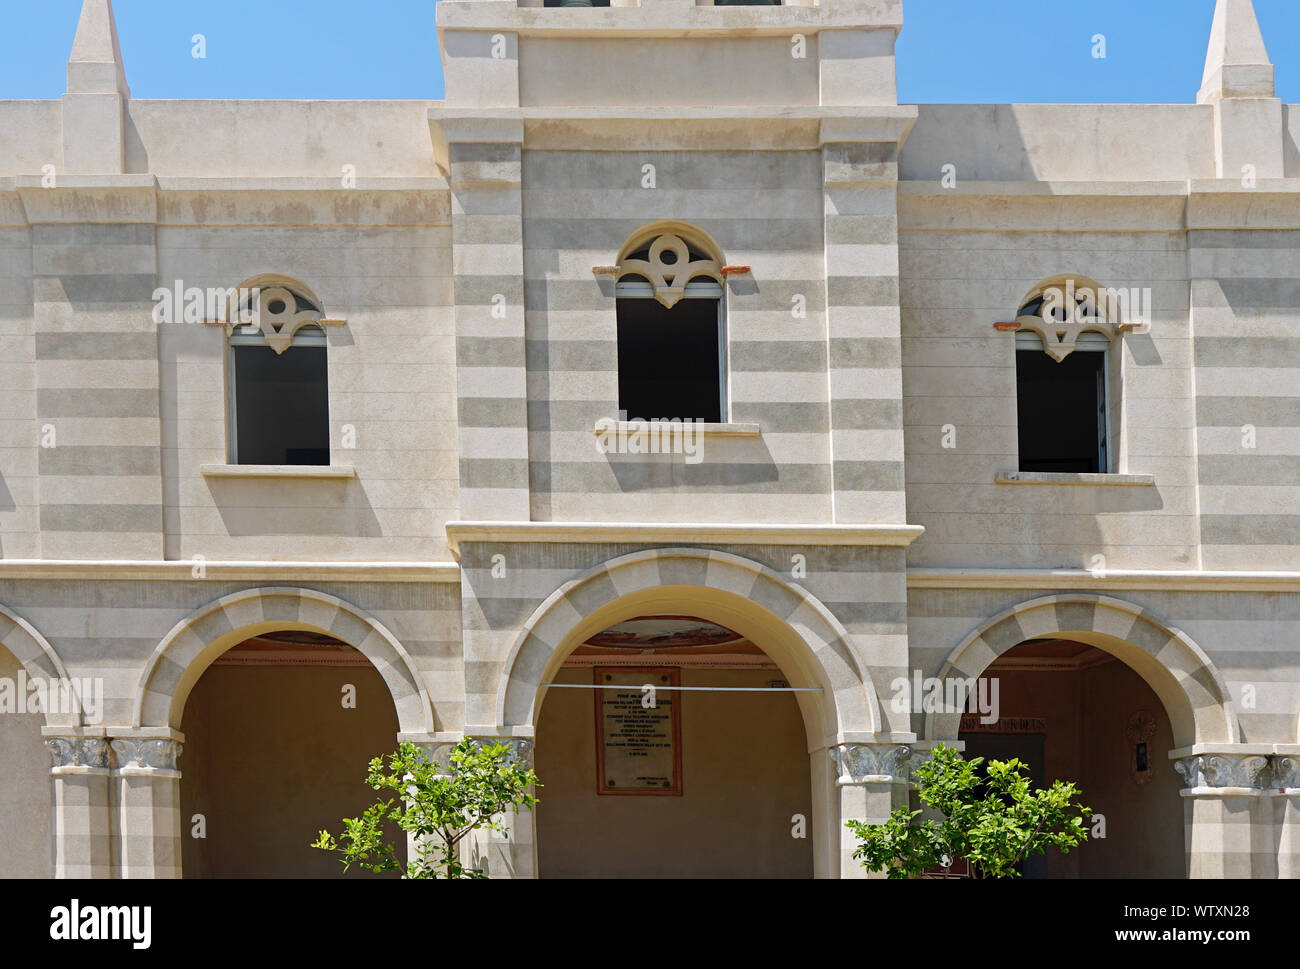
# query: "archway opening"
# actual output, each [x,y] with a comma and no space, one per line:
[1075,712]
[278,732]
[670,745]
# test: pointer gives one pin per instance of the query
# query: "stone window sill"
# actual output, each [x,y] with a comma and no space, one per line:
[1074,478]
[608,425]
[279,471]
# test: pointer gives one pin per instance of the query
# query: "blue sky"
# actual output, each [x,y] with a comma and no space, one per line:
[960,51]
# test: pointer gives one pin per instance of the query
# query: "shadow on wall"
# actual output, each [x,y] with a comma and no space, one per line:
[327,508]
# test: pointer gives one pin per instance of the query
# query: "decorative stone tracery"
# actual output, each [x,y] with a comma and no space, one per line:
[277,309]
[669,266]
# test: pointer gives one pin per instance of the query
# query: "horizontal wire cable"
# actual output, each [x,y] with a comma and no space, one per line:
[630,687]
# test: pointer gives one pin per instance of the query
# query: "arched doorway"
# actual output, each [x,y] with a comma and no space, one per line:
[1141,689]
[672,746]
[278,732]
[815,655]
[287,709]
[1074,712]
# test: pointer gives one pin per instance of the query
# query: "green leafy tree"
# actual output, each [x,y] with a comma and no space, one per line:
[440,806]
[993,819]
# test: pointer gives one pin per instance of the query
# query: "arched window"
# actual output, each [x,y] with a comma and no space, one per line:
[1063,373]
[279,390]
[671,339]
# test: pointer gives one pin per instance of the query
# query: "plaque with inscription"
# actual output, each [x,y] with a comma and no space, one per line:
[638,732]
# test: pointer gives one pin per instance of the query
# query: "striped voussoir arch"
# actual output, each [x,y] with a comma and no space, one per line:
[198,639]
[811,638]
[1195,695]
[41,662]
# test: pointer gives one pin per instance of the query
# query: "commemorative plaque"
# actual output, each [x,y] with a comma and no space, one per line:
[638,732]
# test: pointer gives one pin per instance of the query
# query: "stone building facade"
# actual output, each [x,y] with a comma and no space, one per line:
[913,462]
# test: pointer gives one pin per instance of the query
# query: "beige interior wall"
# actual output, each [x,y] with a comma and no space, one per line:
[271,757]
[1087,713]
[745,774]
[25,809]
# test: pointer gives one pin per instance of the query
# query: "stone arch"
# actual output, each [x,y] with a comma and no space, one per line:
[1194,694]
[193,643]
[795,629]
[35,654]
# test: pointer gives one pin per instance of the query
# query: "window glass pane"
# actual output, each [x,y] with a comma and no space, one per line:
[281,406]
[668,360]
[1059,408]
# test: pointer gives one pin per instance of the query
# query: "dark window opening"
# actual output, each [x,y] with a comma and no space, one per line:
[669,363]
[1061,411]
[577,3]
[747,3]
[281,406]
[1142,757]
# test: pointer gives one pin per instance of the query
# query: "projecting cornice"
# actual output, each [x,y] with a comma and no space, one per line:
[663,18]
[800,128]
[685,533]
[1083,580]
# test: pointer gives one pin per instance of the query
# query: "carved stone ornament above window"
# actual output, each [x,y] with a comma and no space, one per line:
[669,265]
[1063,309]
[277,311]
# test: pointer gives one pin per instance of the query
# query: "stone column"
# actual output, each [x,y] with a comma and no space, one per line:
[1227,832]
[82,839]
[147,807]
[1284,784]
[511,853]
[871,781]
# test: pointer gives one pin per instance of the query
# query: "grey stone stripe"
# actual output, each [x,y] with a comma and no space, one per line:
[493,472]
[643,473]
[93,461]
[97,346]
[573,295]
[494,151]
[94,234]
[1250,529]
[778,356]
[698,170]
[487,351]
[1261,293]
[95,288]
[1288,239]
[106,402]
[851,613]
[1250,469]
[862,152]
[562,355]
[1238,411]
[1240,351]
[471,230]
[478,291]
[862,290]
[875,353]
[785,418]
[755,234]
[493,412]
[868,475]
[861,230]
[867,414]
[118,519]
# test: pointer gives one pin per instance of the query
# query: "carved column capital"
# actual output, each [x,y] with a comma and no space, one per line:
[1220,771]
[521,750]
[145,753]
[83,752]
[876,763]
[1284,772]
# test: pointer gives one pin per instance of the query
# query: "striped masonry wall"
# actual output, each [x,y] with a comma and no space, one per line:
[1246,323]
[862,296]
[487,261]
[97,387]
[763,209]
